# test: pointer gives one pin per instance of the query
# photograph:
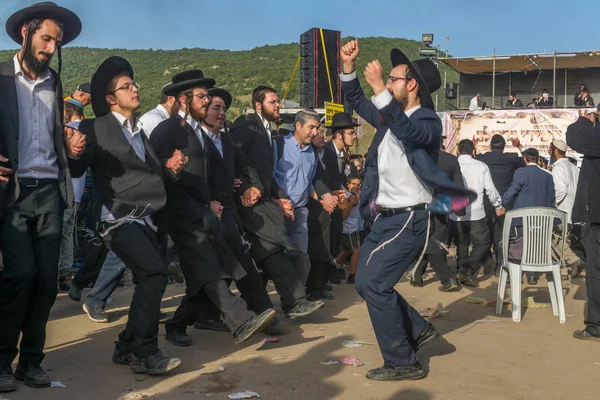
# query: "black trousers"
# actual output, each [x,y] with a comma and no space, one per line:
[495,226]
[318,276]
[279,268]
[438,263]
[30,237]
[475,233]
[138,247]
[195,304]
[89,271]
[591,241]
[251,287]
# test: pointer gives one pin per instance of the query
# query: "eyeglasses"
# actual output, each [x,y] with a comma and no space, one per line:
[354,184]
[397,78]
[202,96]
[273,102]
[351,133]
[218,108]
[128,86]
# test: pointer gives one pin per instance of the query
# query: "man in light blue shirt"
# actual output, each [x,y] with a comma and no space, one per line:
[294,170]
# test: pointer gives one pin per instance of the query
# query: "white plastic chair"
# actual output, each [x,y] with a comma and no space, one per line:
[538,223]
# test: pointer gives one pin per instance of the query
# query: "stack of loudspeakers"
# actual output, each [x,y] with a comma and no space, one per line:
[314,84]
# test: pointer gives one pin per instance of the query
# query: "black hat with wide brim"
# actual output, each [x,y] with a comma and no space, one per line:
[222,93]
[342,120]
[110,68]
[188,80]
[426,75]
[45,10]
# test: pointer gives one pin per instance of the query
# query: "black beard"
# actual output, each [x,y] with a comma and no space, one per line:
[33,63]
[269,116]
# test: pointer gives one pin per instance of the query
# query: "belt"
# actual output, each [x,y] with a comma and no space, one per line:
[33,182]
[388,212]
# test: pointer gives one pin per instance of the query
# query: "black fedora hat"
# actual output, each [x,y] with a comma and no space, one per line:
[427,75]
[45,10]
[342,120]
[109,68]
[222,93]
[188,80]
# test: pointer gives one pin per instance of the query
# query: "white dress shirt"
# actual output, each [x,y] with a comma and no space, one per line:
[340,157]
[216,139]
[399,186]
[477,177]
[36,103]
[566,177]
[137,143]
[152,118]
[195,126]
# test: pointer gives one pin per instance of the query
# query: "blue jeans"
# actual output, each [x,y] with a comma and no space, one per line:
[107,281]
[297,231]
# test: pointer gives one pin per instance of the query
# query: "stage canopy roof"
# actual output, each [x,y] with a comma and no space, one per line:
[524,62]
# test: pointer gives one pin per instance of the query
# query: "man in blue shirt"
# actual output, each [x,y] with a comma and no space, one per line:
[294,170]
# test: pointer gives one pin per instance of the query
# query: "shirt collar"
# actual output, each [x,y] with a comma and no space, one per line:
[340,153]
[124,123]
[192,122]
[266,123]
[162,109]
[45,75]
[409,112]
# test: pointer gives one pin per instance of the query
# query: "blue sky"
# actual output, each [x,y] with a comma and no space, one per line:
[474,27]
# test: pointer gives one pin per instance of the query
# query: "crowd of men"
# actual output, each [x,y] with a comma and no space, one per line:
[179,192]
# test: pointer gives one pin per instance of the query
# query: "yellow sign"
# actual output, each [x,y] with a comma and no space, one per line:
[330,110]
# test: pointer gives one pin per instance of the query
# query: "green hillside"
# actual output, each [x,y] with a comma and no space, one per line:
[238,71]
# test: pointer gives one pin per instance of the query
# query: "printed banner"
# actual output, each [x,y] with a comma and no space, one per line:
[533,128]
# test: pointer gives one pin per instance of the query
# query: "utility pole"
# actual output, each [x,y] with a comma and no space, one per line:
[446,69]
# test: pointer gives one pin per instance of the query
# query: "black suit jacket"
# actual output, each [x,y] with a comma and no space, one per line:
[333,178]
[9,137]
[123,182]
[224,169]
[250,135]
[517,104]
[502,167]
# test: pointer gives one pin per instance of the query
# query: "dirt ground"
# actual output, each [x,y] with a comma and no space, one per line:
[499,359]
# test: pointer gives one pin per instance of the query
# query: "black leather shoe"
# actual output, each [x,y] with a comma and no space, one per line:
[584,334]
[428,336]
[466,279]
[212,325]
[75,293]
[34,377]
[8,383]
[304,308]
[351,279]
[155,364]
[393,373]
[254,324]
[320,295]
[120,357]
[64,283]
[328,287]
[275,328]
[451,285]
[178,338]
[416,283]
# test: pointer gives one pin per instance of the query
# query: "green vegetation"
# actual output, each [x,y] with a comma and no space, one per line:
[237,71]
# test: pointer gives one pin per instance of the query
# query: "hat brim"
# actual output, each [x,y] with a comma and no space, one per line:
[110,68]
[399,58]
[336,126]
[222,93]
[176,88]
[70,21]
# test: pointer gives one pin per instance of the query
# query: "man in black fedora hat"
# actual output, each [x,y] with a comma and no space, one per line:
[193,220]
[336,154]
[35,186]
[129,194]
[401,176]
[230,170]
[263,221]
